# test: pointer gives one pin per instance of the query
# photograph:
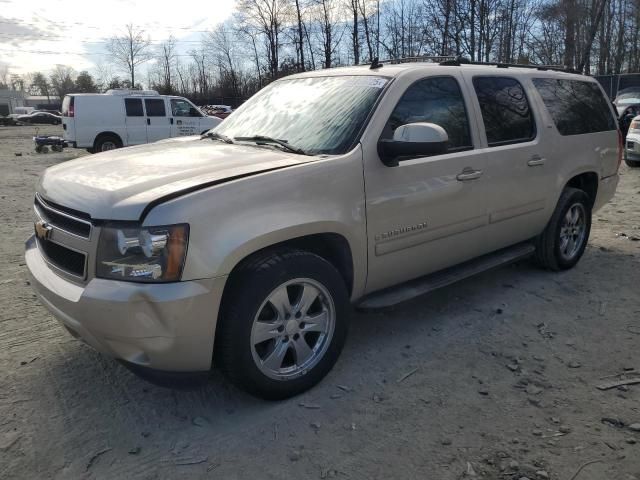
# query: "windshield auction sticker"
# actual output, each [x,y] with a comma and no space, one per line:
[366,81]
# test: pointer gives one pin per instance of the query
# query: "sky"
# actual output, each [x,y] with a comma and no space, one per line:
[36,35]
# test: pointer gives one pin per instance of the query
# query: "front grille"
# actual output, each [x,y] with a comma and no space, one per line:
[63,258]
[70,221]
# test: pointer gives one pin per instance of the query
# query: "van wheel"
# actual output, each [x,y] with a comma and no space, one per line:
[283,323]
[632,163]
[106,142]
[565,238]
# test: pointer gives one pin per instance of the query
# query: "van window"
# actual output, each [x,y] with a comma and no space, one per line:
[182,108]
[505,110]
[67,105]
[133,107]
[576,107]
[434,100]
[155,107]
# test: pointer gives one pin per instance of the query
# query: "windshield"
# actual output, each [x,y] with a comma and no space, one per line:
[320,115]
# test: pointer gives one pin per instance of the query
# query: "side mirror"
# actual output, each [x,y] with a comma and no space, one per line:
[413,140]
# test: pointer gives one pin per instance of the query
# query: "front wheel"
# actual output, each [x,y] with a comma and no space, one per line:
[283,323]
[565,238]
[632,163]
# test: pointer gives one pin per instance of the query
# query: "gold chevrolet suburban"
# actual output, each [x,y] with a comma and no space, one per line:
[245,247]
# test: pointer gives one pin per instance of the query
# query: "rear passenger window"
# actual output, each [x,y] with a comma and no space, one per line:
[505,110]
[133,106]
[434,100]
[155,107]
[576,107]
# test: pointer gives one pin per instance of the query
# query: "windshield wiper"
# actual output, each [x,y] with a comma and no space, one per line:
[264,139]
[217,136]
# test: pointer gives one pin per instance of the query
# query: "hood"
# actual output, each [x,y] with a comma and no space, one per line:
[119,184]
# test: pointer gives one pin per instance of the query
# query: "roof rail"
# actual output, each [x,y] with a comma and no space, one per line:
[130,91]
[375,64]
[456,62]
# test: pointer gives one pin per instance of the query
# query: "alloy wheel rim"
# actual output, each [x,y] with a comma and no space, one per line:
[573,230]
[293,329]
[108,146]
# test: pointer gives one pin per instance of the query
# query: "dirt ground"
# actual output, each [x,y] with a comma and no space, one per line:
[492,378]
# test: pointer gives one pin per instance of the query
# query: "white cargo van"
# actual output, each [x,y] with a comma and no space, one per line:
[123,117]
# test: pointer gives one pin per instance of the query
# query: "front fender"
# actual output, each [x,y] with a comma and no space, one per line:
[229,222]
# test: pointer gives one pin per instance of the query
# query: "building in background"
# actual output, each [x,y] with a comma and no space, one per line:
[9,100]
[42,102]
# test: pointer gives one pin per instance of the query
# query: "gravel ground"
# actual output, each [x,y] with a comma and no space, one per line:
[494,378]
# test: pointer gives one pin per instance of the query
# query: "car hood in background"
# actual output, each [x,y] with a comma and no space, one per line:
[119,184]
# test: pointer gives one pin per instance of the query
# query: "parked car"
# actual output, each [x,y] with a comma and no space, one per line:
[625,98]
[54,112]
[40,118]
[122,117]
[632,144]
[245,247]
[220,111]
[8,121]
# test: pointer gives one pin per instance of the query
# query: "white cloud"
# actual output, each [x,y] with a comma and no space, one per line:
[35,35]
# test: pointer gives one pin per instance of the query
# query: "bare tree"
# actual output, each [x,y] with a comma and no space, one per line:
[130,50]
[268,17]
[166,59]
[62,80]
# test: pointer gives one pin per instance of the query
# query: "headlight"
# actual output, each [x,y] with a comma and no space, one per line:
[142,254]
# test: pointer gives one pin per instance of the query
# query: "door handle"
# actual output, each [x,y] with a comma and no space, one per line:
[468,174]
[536,161]
[171,120]
[148,121]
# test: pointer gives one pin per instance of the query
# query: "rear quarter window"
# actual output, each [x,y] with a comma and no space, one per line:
[576,107]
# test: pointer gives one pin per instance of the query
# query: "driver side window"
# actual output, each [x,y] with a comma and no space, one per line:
[182,108]
[435,100]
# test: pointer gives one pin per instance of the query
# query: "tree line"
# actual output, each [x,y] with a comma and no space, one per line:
[268,39]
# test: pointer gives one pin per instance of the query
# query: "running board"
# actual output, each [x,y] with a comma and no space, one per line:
[414,288]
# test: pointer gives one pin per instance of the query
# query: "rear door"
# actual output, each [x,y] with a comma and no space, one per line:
[158,124]
[520,166]
[186,118]
[136,121]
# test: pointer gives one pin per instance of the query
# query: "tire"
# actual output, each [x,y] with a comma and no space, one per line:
[106,142]
[248,316]
[562,244]
[632,163]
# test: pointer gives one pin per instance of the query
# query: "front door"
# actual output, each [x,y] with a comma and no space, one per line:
[158,124]
[519,164]
[426,213]
[186,118]
[136,121]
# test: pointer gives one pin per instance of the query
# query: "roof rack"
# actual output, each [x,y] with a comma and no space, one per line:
[456,61]
[425,58]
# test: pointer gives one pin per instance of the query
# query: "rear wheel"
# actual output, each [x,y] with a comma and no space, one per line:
[565,238]
[106,142]
[283,324]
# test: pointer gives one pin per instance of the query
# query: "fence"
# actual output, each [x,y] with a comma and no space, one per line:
[612,84]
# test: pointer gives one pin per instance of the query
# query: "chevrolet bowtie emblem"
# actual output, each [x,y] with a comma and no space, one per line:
[43,230]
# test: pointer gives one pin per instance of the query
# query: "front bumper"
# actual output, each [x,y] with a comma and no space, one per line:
[168,327]
[632,147]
